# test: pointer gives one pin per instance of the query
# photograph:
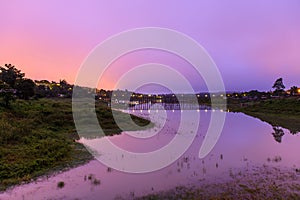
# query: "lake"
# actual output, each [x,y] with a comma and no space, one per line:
[245,142]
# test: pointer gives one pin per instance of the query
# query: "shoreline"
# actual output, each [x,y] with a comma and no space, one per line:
[284,113]
[256,182]
[38,138]
[267,181]
[84,158]
[55,171]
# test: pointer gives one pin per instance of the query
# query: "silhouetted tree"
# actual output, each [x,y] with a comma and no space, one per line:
[6,94]
[279,86]
[25,88]
[42,88]
[65,88]
[10,75]
[254,94]
[294,90]
[13,83]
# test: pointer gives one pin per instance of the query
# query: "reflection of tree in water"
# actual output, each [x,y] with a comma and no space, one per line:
[277,134]
[293,132]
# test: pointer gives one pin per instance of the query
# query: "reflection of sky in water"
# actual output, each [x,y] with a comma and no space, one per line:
[163,132]
[245,141]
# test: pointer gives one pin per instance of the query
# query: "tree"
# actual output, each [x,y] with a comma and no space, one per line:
[25,88]
[255,94]
[279,86]
[6,93]
[13,83]
[42,88]
[10,75]
[294,90]
[65,88]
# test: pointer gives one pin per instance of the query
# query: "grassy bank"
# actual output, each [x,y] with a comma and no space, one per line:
[278,112]
[38,137]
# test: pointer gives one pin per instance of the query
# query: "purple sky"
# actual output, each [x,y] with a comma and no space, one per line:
[252,42]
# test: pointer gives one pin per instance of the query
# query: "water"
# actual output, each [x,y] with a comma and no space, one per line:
[244,142]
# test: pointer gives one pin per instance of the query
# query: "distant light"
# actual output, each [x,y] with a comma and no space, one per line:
[173,110]
[198,110]
[206,95]
[149,95]
[198,95]
[222,110]
[205,110]
[149,111]
[141,110]
[298,90]
[221,95]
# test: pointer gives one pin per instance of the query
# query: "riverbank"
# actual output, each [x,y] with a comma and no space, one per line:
[283,112]
[38,138]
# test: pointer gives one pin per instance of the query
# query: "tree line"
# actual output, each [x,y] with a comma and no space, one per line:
[14,85]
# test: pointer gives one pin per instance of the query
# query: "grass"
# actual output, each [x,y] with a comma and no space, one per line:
[37,137]
[283,112]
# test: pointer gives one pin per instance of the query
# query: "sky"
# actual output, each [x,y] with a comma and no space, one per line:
[252,42]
